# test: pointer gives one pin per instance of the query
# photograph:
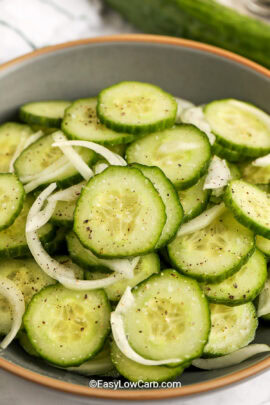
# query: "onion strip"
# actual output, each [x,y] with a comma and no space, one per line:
[68,194]
[100,167]
[110,156]
[120,337]
[16,301]
[232,358]
[46,178]
[263,161]
[196,117]
[41,218]
[182,105]
[49,265]
[90,284]
[74,158]
[202,221]
[218,174]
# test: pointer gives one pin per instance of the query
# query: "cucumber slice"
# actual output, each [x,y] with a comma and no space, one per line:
[26,344]
[11,135]
[28,277]
[11,199]
[115,208]
[255,174]
[138,372]
[215,252]
[239,126]
[231,328]
[263,244]
[136,108]
[81,122]
[67,327]
[44,113]
[168,319]
[182,152]
[194,200]
[243,286]
[250,205]
[41,154]
[148,265]
[12,240]
[64,213]
[228,154]
[173,207]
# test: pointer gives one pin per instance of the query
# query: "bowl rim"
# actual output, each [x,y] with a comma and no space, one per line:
[148,394]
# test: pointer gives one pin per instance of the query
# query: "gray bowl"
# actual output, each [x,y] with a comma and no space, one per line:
[81,69]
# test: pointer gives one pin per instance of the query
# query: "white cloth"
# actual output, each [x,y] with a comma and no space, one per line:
[29,24]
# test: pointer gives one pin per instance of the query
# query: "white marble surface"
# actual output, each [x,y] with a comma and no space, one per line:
[29,24]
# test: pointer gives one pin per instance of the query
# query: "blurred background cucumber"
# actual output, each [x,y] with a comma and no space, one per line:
[201,20]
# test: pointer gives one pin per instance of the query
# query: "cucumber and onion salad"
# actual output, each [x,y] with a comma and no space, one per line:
[92,192]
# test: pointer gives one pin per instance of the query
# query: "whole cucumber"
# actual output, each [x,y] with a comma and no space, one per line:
[201,20]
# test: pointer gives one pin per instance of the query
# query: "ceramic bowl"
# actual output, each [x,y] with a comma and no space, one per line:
[184,68]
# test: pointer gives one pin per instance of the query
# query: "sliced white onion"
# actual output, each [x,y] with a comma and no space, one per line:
[182,105]
[218,174]
[16,301]
[262,161]
[68,194]
[120,337]
[41,218]
[100,167]
[123,266]
[90,284]
[74,157]
[49,265]
[40,200]
[202,221]
[32,185]
[232,358]
[110,156]
[23,145]
[264,300]
[196,117]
